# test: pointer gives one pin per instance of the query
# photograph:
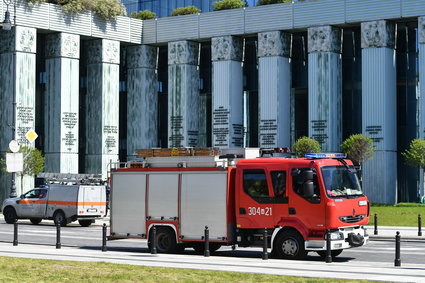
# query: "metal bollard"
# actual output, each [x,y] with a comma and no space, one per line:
[207,242]
[265,253]
[104,249]
[15,233]
[58,236]
[328,257]
[397,261]
[419,225]
[154,244]
[375,232]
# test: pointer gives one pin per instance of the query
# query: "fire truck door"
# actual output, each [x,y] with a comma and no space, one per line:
[255,200]
[309,209]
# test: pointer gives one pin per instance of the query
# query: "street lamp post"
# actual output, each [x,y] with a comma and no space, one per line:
[7,25]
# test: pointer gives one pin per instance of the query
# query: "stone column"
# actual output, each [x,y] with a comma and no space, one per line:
[325,87]
[17,95]
[102,105]
[421,112]
[183,94]
[142,99]
[227,92]
[274,73]
[61,121]
[379,109]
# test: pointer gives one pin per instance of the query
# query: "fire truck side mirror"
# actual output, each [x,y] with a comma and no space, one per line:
[308,175]
[308,189]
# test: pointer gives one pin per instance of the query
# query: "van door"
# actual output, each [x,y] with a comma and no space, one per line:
[33,204]
[91,200]
[255,200]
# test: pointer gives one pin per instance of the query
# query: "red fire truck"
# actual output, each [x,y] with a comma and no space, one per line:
[298,200]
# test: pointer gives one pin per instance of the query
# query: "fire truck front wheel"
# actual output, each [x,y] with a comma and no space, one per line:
[165,240]
[289,244]
[59,218]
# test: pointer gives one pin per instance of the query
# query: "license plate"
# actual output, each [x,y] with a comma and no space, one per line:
[92,210]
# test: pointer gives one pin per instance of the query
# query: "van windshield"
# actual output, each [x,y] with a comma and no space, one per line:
[339,182]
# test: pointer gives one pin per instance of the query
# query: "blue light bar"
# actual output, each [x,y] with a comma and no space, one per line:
[325,155]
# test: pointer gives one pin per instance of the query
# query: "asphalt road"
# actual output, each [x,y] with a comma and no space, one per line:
[91,238]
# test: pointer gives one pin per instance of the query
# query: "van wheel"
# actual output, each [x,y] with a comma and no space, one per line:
[334,253]
[35,221]
[59,218]
[85,223]
[289,245]
[10,215]
[165,241]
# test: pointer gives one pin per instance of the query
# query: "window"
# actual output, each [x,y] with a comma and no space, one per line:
[255,183]
[298,180]
[279,183]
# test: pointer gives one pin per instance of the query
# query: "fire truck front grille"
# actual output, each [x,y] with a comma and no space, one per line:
[352,219]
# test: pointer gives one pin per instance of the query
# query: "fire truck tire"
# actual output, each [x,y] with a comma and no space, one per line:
[35,221]
[59,218]
[9,214]
[200,247]
[289,244]
[166,240]
[334,253]
[85,223]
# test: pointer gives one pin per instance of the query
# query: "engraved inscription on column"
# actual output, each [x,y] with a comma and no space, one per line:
[319,128]
[69,121]
[268,132]
[25,122]
[110,133]
[375,133]
[221,126]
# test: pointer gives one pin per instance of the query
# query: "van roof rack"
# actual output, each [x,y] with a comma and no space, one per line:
[71,178]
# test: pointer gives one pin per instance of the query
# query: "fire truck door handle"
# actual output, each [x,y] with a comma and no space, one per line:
[292,211]
[242,210]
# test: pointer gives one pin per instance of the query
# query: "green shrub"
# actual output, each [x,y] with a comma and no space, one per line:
[143,15]
[77,6]
[358,148]
[306,145]
[228,4]
[109,9]
[185,11]
[268,2]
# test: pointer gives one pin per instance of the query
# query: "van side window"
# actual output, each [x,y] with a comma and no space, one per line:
[255,183]
[298,182]
[279,183]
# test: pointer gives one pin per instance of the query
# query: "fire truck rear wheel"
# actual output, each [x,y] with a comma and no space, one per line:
[35,221]
[289,245]
[166,241]
[9,215]
[334,253]
[59,218]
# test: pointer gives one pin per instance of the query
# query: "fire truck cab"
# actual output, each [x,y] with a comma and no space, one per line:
[298,201]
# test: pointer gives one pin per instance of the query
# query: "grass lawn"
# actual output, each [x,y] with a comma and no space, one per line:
[402,214]
[35,270]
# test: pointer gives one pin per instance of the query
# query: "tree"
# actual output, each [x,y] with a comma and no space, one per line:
[228,4]
[33,162]
[358,148]
[415,155]
[306,145]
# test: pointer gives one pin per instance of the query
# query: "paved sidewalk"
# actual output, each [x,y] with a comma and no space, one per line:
[389,233]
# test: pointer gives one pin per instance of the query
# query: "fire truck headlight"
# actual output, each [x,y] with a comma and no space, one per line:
[337,236]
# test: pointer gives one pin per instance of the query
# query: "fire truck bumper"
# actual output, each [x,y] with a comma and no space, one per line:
[343,238]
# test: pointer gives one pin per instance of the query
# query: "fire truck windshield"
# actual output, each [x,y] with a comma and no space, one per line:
[340,182]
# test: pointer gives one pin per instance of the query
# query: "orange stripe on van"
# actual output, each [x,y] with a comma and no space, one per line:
[58,202]
[25,201]
[91,203]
